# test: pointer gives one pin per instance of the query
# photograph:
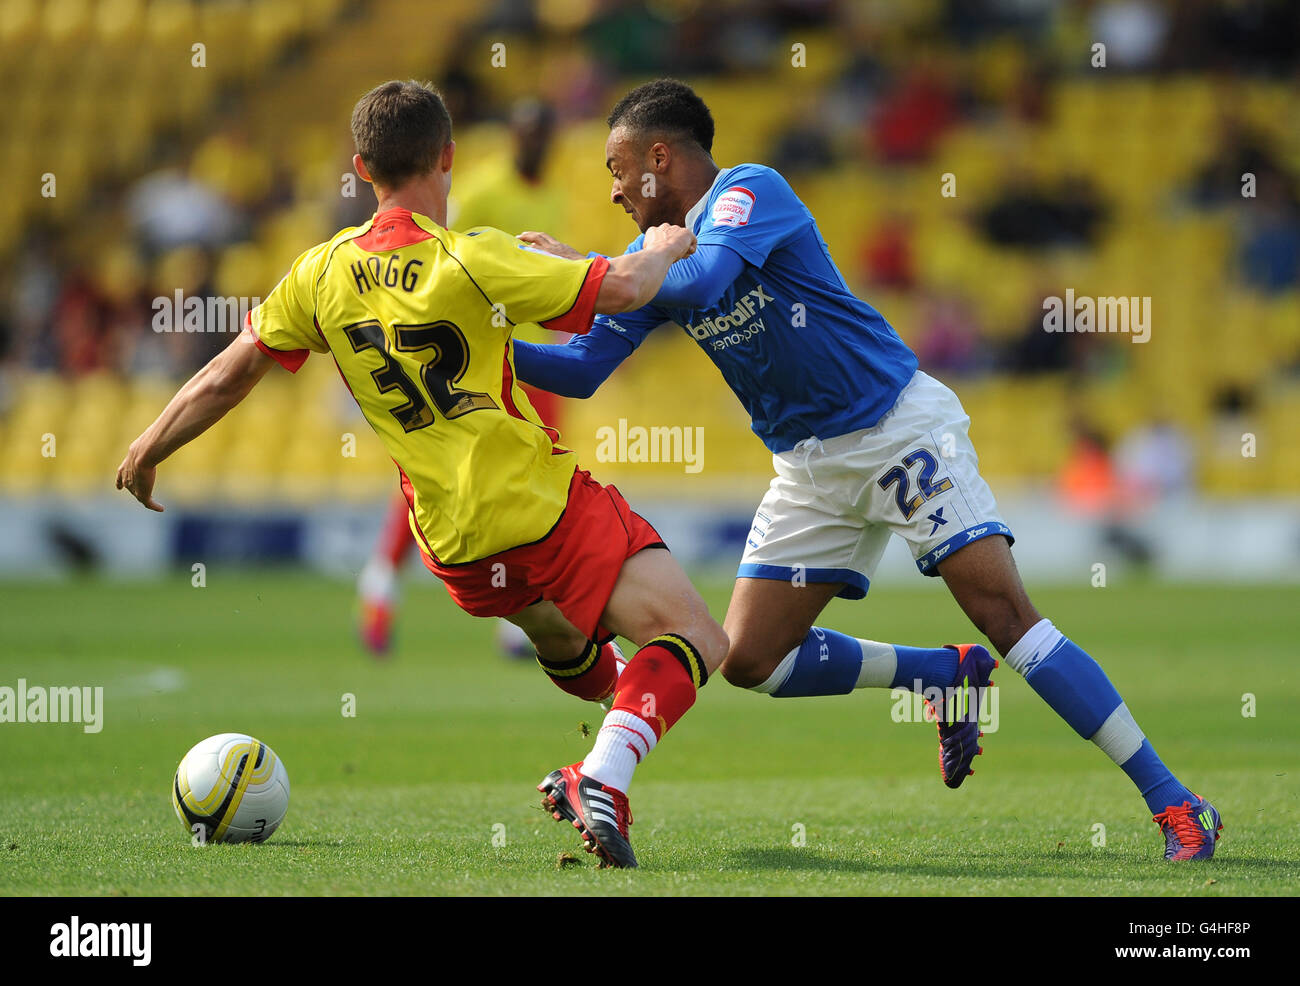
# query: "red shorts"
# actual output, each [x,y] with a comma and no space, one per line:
[575,566]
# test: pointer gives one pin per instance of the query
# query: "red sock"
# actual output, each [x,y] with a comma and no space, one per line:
[591,675]
[396,540]
[659,683]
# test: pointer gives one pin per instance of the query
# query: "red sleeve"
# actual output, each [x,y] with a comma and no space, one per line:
[292,360]
[578,318]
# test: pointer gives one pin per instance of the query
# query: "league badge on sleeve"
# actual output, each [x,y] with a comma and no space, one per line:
[732,207]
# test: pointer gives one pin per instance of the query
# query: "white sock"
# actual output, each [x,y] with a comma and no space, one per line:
[1119,736]
[879,665]
[623,742]
[1036,644]
[777,678]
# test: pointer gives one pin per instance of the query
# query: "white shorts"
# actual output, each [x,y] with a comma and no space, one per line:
[830,510]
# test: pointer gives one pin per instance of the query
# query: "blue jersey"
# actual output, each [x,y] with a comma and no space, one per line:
[804,355]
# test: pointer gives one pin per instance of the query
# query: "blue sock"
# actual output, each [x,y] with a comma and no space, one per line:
[832,663]
[934,667]
[1077,689]
[1159,787]
[827,663]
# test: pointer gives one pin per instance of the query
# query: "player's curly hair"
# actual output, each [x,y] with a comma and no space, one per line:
[665,108]
[400,129]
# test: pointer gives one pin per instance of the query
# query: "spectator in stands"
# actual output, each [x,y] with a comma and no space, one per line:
[1238,151]
[1133,32]
[1089,486]
[913,115]
[80,324]
[1154,462]
[1025,214]
[950,341]
[1087,481]
[1235,417]
[36,285]
[1269,229]
[169,209]
[802,147]
[887,260]
[630,38]
[1258,37]
[1036,350]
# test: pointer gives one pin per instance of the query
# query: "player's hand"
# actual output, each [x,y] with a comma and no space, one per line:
[676,240]
[138,479]
[549,244]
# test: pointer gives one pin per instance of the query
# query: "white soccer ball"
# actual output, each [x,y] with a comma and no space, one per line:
[231,788]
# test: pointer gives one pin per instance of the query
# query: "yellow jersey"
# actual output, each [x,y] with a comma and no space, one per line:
[419,320]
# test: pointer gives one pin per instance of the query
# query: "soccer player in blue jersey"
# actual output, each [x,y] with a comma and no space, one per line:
[864,445]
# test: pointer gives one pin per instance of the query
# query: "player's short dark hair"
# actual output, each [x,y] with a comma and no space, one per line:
[400,129]
[665,108]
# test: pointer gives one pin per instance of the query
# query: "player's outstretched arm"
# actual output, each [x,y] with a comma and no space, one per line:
[698,281]
[549,244]
[634,278]
[575,369]
[197,406]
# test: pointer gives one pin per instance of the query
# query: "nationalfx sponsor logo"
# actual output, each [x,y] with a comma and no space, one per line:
[637,443]
[56,704]
[201,313]
[1088,314]
[75,940]
[747,307]
[732,207]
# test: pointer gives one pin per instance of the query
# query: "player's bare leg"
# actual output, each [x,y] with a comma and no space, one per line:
[655,606]
[653,596]
[777,650]
[577,665]
[983,579]
[766,619]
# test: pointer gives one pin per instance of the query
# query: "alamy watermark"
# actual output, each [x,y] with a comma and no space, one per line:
[959,703]
[102,939]
[1085,313]
[201,313]
[34,703]
[637,443]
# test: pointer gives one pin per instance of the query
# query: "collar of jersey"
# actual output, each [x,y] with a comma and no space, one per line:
[400,220]
[697,210]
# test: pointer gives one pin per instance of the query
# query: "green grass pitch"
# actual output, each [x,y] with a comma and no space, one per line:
[429,789]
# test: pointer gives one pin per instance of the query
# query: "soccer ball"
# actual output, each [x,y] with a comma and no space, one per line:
[231,788]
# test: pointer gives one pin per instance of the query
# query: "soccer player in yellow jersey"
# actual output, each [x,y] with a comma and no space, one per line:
[513,192]
[418,319]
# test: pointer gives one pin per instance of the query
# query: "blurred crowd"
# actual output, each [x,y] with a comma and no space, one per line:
[193,219]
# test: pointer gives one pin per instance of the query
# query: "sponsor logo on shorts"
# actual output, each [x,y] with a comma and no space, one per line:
[939,520]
